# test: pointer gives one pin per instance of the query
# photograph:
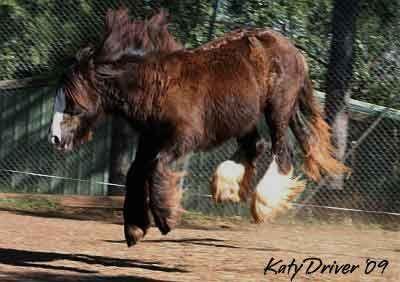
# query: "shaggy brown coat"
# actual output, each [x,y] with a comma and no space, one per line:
[192,100]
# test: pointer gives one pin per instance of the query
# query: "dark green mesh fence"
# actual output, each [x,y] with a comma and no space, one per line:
[38,37]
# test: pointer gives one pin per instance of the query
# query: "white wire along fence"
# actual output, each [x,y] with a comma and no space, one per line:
[35,40]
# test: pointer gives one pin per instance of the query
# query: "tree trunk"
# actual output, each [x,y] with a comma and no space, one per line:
[122,144]
[211,27]
[340,71]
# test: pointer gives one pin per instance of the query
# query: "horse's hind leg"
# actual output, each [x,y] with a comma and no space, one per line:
[233,178]
[278,185]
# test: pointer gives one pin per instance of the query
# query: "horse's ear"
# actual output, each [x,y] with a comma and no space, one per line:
[116,35]
[160,19]
[116,19]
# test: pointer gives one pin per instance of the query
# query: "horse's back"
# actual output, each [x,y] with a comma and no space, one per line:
[229,80]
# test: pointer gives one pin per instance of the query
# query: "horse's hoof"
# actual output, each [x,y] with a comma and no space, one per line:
[274,193]
[260,210]
[226,181]
[133,234]
[165,224]
[165,229]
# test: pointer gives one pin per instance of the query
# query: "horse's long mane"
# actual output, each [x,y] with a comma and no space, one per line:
[123,37]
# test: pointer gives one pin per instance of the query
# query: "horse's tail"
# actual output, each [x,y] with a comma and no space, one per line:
[314,136]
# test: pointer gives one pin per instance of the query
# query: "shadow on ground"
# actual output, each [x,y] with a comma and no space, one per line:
[40,260]
[51,277]
[219,243]
[210,242]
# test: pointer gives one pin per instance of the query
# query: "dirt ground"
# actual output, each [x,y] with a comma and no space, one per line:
[39,245]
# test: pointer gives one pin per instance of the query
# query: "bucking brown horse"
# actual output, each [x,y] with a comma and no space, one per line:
[187,100]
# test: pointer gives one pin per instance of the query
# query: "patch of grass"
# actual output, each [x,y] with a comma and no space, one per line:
[29,204]
[198,216]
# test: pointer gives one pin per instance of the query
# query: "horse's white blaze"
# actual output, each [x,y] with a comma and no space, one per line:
[274,192]
[56,125]
[58,117]
[226,181]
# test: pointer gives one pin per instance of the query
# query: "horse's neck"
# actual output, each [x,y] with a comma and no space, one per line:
[136,93]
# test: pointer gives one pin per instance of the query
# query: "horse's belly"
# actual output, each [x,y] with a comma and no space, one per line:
[230,113]
[233,125]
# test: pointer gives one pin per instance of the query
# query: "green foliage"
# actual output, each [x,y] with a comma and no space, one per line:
[36,36]
[377,64]
[28,204]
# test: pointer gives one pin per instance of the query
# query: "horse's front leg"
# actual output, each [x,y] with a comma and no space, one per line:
[136,207]
[165,193]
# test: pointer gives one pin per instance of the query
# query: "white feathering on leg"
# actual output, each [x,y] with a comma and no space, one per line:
[274,192]
[226,181]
